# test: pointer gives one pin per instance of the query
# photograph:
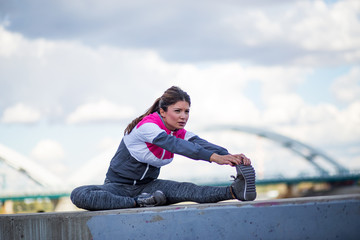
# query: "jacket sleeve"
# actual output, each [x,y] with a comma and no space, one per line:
[209,146]
[185,148]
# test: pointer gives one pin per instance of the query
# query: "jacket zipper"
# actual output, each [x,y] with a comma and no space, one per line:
[163,153]
[146,170]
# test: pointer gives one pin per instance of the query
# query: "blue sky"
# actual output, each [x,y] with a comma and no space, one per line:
[74,73]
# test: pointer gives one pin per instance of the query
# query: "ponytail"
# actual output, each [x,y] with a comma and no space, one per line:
[152,109]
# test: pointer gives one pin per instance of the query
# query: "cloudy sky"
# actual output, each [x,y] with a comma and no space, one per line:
[74,73]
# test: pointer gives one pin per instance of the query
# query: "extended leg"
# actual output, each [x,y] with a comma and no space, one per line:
[183,191]
[100,197]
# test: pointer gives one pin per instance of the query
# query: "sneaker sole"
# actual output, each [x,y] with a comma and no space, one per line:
[248,173]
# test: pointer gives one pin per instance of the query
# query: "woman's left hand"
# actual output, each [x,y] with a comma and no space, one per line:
[230,159]
[244,160]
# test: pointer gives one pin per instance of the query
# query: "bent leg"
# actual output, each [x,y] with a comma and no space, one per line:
[100,197]
[184,191]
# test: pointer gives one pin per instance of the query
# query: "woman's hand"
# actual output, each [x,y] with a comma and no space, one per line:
[244,160]
[230,159]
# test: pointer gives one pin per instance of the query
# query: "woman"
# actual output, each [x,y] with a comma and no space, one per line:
[150,142]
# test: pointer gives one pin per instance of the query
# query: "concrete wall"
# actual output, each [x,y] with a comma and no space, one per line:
[336,217]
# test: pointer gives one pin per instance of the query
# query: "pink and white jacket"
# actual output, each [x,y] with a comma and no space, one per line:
[151,145]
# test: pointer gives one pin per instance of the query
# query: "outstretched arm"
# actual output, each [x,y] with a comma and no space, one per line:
[209,146]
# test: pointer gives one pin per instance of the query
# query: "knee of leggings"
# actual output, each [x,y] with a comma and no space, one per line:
[76,195]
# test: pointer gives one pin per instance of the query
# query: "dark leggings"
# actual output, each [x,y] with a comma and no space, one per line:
[115,195]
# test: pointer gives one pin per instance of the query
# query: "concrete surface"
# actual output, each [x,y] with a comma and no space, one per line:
[332,217]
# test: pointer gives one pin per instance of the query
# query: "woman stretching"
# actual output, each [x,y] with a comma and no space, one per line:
[150,142]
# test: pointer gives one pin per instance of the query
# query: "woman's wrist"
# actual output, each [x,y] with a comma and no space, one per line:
[213,157]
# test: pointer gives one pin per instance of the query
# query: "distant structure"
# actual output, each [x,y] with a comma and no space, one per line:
[34,171]
[307,152]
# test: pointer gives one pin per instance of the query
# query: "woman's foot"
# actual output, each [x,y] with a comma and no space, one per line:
[150,200]
[243,187]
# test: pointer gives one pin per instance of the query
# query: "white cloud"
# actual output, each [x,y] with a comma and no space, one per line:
[48,150]
[328,27]
[64,74]
[304,32]
[20,113]
[220,95]
[107,143]
[282,109]
[14,45]
[350,121]
[324,125]
[100,111]
[347,88]
[50,153]
[8,42]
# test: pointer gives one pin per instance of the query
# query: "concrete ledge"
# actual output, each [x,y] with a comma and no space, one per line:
[335,217]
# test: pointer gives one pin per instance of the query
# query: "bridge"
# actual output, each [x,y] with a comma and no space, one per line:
[338,175]
[304,150]
[54,188]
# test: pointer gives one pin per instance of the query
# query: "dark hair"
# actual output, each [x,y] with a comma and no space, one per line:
[170,97]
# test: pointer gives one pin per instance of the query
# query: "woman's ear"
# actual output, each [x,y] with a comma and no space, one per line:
[162,112]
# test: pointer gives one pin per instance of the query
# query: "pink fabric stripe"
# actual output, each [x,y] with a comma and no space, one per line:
[158,151]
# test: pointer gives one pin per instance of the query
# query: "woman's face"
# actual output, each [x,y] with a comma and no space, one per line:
[176,115]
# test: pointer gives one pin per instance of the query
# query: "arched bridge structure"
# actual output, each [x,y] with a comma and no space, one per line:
[45,183]
[304,150]
[33,170]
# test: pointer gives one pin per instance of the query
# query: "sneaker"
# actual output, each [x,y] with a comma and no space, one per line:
[150,200]
[243,187]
